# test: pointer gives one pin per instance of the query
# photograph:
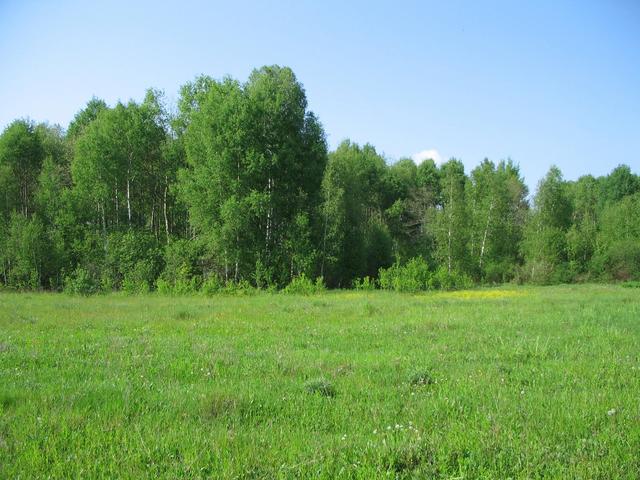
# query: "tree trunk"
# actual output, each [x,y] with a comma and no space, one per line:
[473,226]
[128,198]
[226,266]
[484,237]
[117,205]
[153,217]
[324,246]
[449,233]
[269,212]
[104,220]
[164,207]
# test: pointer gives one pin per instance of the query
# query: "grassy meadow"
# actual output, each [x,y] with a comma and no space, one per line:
[516,382]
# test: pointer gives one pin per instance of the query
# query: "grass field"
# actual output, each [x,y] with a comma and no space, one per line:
[511,382]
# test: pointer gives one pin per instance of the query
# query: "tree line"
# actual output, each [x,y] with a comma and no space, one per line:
[236,188]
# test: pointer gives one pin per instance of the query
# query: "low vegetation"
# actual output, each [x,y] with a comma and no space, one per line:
[517,382]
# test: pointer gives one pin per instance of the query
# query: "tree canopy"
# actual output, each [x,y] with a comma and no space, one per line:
[236,186]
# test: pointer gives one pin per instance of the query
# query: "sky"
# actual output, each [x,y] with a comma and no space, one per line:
[542,83]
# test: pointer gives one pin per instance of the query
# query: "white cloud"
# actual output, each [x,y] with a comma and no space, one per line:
[425,155]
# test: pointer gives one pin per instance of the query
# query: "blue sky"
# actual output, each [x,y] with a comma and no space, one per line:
[545,82]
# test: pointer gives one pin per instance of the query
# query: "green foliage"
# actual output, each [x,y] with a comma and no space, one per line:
[365,283]
[620,261]
[26,253]
[118,168]
[211,286]
[498,215]
[241,288]
[163,287]
[302,285]
[355,240]
[618,254]
[545,243]
[85,116]
[133,260]
[81,282]
[499,271]
[236,191]
[255,157]
[444,279]
[21,157]
[183,287]
[452,220]
[620,183]
[141,277]
[414,276]
[182,272]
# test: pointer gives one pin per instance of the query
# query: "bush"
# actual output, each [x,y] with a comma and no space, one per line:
[106,283]
[181,258]
[366,283]
[211,286]
[243,287]
[499,271]
[414,276]
[621,261]
[186,286]
[133,260]
[163,287]
[443,279]
[263,276]
[25,252]
[302,285]
[81,282]
[140,279]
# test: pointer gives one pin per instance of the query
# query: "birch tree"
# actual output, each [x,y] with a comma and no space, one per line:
[544,244]
[255,157]
[453,230]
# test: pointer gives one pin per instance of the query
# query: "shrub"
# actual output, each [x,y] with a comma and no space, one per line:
[140,279]
[25,252]
[180,287]
[81,282]
[132,286]
[133,260]
[106,283]
[211,286]
[499,271]
[414,276]
[181,259]
[386,276]
[186,286]
[443,279]
[263,276]
[366,283]
[243,287]
[302,285]
[163,287]
[621,261]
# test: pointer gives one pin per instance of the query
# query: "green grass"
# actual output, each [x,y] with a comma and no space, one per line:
[521,383]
